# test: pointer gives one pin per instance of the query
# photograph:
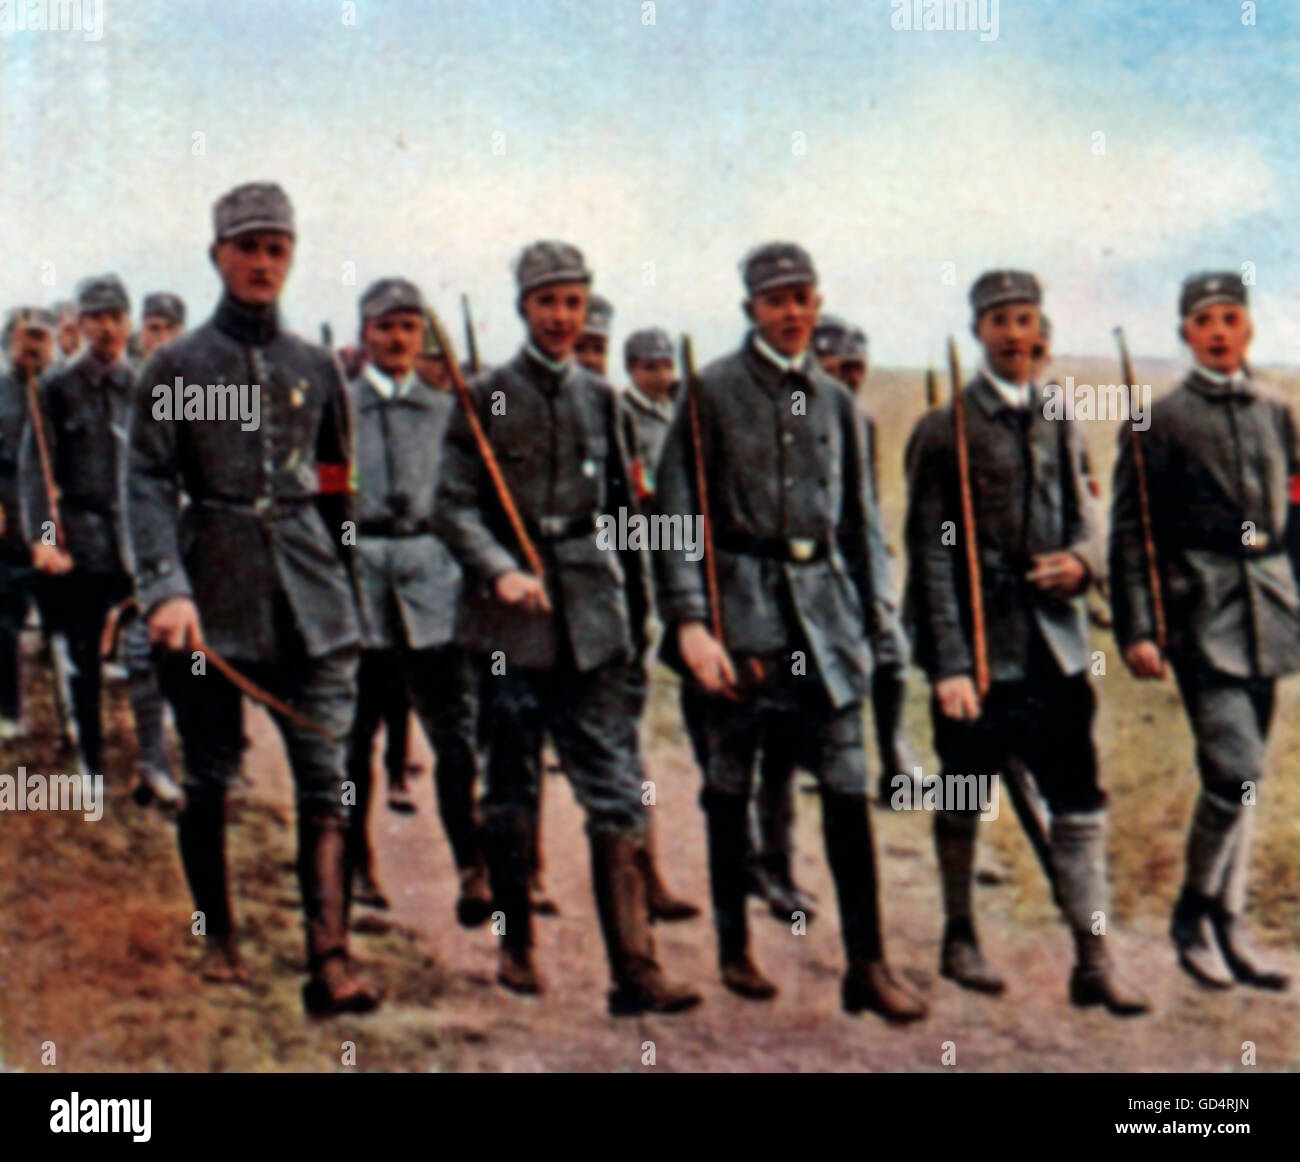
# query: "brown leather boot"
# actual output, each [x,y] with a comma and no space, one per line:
[963,962]
[741,975]
[475,903]
[727,819]
[336,984]
[639,984]
[1094,980]
[506,834]
[870,985]
[663,904]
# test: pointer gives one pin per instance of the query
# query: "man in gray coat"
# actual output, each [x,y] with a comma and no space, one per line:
[1039,546]
[557,648]
[250,423]
[1221,468]
[784,455]
[410,586]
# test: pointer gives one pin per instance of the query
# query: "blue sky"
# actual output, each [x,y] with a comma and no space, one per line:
[672,144]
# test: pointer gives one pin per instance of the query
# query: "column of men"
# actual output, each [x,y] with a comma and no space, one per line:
[383,526]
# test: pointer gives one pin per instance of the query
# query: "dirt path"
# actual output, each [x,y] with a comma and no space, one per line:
[1031,1028]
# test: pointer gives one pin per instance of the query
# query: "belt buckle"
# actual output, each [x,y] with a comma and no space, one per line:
[262,505]
[552,526]
[801,549]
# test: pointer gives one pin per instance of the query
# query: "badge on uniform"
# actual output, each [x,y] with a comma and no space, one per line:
[297,395]
[589,468]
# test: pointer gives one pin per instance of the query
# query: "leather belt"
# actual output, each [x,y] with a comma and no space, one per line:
[398,527]
[792,550]
[560,528]
[252,505]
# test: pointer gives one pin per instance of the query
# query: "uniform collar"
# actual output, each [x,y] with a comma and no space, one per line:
[546,361]
[664,409]
[97,373]
[385,386]
[253,326]
[796,365]
[1215,383]
[1014,395]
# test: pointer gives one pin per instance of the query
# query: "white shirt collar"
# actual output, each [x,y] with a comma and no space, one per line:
[1235,380]
[545,360]
[387,387]
[1015,395]
[779,361]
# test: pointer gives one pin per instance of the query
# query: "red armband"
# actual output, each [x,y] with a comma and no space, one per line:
[1295,488]
[333,478]
[640,486]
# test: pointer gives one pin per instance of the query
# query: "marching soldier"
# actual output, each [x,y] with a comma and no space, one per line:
[1219,464]
[253,573]
[592,348]
[1038,548]
[559,646]
[842,351]
[410,586]
[649,403]
[29,343]
[783,453]
[73,450]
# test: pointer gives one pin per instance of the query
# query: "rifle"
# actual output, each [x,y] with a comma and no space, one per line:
[1144,500]
[526,545]
[931,388]
[969,533]
[43,454]
[471,341]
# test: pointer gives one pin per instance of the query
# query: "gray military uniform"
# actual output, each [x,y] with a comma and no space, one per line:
[557,440]
[84,410]
[788,485]
[1219,460]
[410,591]
[256,547]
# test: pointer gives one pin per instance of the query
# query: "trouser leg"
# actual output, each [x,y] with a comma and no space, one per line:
[443,690]
[209,720]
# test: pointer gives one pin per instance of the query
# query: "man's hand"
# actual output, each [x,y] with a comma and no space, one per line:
[1060,574]
[175,625]
[1144,660]
[522,589]
[706,658]
[957,698]
[50,559]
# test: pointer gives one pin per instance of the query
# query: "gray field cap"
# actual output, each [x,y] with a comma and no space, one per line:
[776,264]
[543,263]
[101,292]
[252,207]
